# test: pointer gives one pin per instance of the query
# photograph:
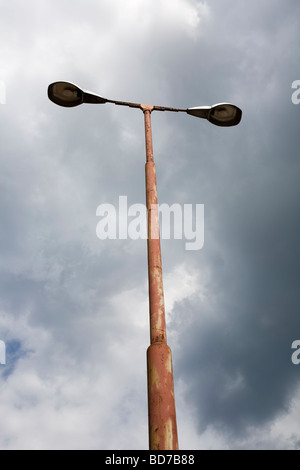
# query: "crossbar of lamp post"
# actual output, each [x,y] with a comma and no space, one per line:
[161,399]
[141,106]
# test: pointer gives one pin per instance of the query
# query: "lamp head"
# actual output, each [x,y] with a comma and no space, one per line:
[222,114]
[69,95]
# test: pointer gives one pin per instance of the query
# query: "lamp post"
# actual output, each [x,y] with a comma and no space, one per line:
[161,401]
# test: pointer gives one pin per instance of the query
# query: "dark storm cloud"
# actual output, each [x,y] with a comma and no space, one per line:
[238,364]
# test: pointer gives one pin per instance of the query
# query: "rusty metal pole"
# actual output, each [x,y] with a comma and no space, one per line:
[161,399]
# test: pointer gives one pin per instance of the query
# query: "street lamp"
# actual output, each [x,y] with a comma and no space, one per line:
[69,95]
[161,401]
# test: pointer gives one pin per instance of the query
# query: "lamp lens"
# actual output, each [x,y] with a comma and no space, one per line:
[70,94]
[65,94]
[225,115]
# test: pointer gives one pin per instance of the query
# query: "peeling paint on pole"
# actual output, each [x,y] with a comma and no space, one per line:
[161,400]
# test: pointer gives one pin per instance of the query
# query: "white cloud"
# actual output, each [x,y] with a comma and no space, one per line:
[182,283]
[57,399]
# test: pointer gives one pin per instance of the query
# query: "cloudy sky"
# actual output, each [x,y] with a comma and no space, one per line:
[74,308]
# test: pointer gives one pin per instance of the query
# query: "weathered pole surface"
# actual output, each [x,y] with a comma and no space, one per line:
[161,399]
